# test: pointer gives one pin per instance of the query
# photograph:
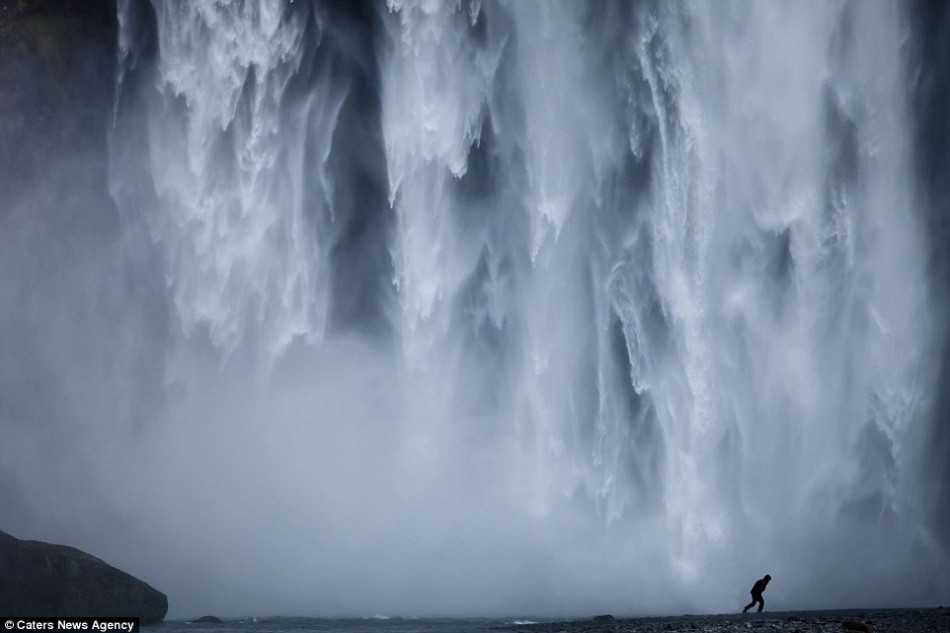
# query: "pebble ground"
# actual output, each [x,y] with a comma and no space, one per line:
[846,621]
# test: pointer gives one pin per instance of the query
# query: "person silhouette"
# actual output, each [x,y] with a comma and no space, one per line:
[756,592]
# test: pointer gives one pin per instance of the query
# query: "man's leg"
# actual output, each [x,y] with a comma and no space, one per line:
[749,606]
[761,603]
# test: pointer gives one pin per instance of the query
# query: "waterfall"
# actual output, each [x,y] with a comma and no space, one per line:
[507,306]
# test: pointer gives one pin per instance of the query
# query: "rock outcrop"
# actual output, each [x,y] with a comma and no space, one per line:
[45,580]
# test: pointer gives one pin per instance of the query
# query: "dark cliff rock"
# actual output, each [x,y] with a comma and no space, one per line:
[57,78]
[46,580]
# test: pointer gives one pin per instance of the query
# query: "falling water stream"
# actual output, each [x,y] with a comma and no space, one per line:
[502,307]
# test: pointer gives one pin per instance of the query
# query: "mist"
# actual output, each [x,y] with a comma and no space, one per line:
[482,308]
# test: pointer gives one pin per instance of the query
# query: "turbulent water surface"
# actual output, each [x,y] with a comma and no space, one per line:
[496,307]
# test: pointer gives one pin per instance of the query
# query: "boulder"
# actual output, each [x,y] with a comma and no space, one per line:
[45,580]
[209,619]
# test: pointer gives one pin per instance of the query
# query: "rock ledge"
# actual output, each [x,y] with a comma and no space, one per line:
[45,580]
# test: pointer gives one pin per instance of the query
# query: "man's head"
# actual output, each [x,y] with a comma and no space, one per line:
[767,578]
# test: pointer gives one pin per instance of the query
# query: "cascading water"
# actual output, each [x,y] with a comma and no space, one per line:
[505,307]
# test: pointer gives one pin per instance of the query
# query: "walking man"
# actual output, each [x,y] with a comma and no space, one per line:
[757,590]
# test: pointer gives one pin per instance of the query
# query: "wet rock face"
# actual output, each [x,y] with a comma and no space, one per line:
[57,78]
[45,580]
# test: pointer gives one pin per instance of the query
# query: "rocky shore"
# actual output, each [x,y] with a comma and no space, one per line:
[935,620]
